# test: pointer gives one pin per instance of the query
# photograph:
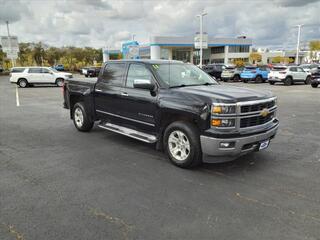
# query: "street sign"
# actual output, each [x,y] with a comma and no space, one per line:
[6,44]
[197,41]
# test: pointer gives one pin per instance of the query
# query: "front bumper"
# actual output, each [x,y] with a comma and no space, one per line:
[273,79]
[213,153]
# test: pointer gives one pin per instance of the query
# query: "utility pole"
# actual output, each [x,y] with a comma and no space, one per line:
[298,43]
[201,35]
[10,48]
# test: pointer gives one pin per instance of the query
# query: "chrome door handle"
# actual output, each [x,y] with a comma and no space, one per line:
[124,94]
[98,90]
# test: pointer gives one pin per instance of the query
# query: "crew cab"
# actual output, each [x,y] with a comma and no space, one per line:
[26,76]
[256,74]
[176,106]
[289,75]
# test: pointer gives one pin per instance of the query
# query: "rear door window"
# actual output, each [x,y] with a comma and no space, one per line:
[113,74]
[17,70]
[45,70]
[35,70]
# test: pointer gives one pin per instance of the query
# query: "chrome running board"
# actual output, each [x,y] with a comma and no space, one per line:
[144,137]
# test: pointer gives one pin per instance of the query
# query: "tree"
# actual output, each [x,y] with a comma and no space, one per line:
[314,47]
[281,59]
[38,53]
[255,57]
[25,54]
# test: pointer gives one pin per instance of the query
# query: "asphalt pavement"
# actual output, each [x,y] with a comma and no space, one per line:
[58,183]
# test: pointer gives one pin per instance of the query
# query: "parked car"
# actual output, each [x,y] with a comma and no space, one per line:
[231,73]
[27,76]
[1,69]
[84,70]
[59,67]
[176,106]
[214,70]
[309,67]
[256,74]
[315,78]
[93,72]
[289,75]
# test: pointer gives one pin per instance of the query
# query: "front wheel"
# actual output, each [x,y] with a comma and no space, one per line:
[182,144]
[236,78]
[59,82]
[314,85]
[308,80]
[81,119]
[271,82]
[288,81]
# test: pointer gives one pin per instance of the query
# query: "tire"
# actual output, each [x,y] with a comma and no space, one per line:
[236,78]
[314,85]
[271,82]
[182,144]
[59,82]
[245,80]
[81,119]
[288,81]
[308,80]
[86,75]
[23,83]
[258,79]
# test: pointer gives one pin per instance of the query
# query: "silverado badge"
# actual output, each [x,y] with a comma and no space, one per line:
[265,112]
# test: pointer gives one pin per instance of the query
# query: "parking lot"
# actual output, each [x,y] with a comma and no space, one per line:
[58,183]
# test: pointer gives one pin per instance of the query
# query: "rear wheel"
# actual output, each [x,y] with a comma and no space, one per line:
[23,83]
[81,118]
[182,144]
[271,82]
[258,79]
[288,81]
[308,80]
[245,80]
[314,85]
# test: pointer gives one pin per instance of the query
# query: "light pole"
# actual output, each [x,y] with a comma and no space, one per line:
[201,35]
[298,43]
[10,47]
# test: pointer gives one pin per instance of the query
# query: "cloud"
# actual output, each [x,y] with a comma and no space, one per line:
[99,23]
[12,11]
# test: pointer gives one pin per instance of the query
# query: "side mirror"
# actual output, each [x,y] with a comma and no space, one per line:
[144,84]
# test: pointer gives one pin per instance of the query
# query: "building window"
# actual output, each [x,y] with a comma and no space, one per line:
[238,49]
[221,60]
[215,50]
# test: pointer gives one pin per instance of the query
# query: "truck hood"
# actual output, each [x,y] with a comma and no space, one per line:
[224,93]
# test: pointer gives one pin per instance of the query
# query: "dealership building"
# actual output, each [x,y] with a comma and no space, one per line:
[220,50]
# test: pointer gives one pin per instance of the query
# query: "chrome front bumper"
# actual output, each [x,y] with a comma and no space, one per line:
[213,153]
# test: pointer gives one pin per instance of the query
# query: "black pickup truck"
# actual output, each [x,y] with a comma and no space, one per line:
[175,105]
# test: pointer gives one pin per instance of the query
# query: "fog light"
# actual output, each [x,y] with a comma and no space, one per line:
[227,144]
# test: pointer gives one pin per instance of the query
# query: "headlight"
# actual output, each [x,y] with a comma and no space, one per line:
[223,122]
[224,109]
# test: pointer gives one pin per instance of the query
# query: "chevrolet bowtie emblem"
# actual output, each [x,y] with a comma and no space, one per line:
[264,112]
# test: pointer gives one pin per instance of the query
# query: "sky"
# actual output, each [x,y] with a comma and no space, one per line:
[102,23]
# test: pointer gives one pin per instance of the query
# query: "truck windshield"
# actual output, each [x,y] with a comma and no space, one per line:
[180,75]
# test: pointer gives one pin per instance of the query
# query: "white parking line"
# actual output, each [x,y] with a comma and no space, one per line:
[17,96]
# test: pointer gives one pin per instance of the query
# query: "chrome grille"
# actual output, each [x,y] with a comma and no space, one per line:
[257,107]
[256,120]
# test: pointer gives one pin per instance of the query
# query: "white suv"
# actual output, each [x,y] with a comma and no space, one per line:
[26,76]
[288,75]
